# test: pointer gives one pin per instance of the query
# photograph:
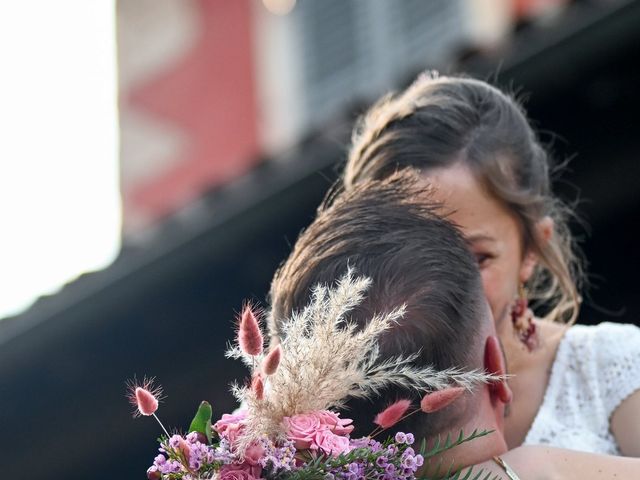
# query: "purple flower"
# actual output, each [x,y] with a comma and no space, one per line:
[193,437]
[276,458]
[409,451]
[400,437]
[409,462]
[174,441]
[360,442]
[170,466]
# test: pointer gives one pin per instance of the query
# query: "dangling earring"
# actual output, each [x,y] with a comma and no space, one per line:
[522,319]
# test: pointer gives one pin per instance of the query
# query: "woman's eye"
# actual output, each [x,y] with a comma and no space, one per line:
[483,259]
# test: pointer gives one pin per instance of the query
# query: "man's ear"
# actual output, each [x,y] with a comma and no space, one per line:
[494,363]
[543,232]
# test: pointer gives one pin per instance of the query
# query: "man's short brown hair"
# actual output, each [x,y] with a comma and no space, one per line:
[389,231]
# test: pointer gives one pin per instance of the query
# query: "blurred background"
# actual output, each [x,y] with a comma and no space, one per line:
[223,125]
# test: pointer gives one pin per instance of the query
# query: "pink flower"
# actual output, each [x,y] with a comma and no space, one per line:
[144,396]
[233,432]
[330,443]
[301,429]
[183,447]
[339,426]
[230,426]
[253,454]
[153,473]
[147,402]
[392,414]
[257,385]
[432,402]
[235,472]
[306,429]
[249,334]
[271,361]
[229,421]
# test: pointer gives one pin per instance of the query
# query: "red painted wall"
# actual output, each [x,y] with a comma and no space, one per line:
[210,95]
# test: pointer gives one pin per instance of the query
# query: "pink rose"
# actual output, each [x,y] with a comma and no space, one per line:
[229,421]
[339,426]
[330,443]
[253,453]
[230,426]
[235,472]
[301,429]
[232,433]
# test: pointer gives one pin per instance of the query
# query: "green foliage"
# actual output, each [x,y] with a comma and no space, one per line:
[439,447]
[202,421]
[316,468]
[433,472]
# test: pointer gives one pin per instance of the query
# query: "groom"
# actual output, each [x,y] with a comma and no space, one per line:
[388,231]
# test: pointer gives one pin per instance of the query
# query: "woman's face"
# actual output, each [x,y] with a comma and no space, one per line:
[493,233]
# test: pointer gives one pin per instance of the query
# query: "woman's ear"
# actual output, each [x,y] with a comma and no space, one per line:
[494,363]
[543,232]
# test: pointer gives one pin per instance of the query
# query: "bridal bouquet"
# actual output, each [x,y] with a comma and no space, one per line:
[288,427]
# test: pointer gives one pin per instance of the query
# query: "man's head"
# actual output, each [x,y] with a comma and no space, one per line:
[388,231]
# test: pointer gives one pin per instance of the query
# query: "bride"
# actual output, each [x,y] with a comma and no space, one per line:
[574,386]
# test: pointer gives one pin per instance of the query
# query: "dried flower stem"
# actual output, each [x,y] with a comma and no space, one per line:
[161,425]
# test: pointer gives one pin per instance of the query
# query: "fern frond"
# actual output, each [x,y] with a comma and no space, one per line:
[438,449]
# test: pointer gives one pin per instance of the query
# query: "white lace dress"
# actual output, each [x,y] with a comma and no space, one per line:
[595,369]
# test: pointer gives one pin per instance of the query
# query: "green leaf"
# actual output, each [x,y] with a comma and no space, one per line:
[202,421]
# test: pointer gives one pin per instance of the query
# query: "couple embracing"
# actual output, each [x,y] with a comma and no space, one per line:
[446,206]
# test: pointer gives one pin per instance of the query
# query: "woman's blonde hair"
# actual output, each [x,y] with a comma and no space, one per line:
[439,121]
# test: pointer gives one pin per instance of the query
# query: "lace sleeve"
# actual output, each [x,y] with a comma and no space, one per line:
[595,369]
[618,363]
